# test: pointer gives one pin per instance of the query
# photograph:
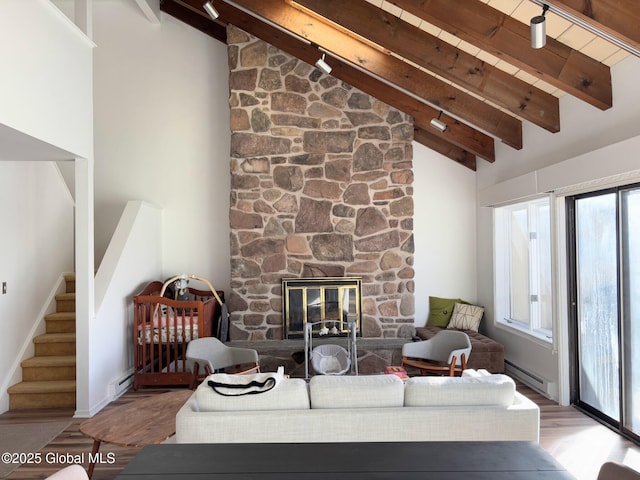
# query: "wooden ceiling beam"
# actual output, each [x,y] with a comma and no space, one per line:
[442,58]
[619,18]
[457,133]
[196,17]
[445,148]
[508,39]
[382,65]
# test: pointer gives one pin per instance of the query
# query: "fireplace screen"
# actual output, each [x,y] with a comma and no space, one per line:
[330,303]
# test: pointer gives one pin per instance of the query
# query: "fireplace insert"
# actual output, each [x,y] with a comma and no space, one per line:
[329,303]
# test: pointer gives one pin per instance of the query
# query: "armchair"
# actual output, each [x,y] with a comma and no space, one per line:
[617,471]
[446,353]
[209,355]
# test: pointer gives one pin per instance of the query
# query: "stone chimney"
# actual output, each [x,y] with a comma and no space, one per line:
[321,185]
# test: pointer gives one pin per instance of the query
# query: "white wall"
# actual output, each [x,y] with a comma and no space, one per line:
[36,247]
[48,93]
[444,230]
[46,115]
[132,258]
[162,135]
[592,144]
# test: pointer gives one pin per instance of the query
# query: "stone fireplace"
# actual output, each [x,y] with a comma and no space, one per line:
[321,186]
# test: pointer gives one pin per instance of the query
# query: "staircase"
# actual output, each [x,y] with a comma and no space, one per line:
[49,378]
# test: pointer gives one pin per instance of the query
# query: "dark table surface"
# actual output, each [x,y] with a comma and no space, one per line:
[345,461]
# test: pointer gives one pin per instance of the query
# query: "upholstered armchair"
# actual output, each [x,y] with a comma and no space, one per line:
[617,471]
[446,353]
[209,355]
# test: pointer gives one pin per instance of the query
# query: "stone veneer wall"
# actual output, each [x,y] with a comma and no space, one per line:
[321,185]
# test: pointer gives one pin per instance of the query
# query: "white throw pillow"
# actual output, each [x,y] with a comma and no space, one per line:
[466,317]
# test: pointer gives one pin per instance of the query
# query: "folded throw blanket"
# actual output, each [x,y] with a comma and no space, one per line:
[235,385]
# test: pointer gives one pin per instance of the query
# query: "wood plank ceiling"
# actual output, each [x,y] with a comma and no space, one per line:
[469,61]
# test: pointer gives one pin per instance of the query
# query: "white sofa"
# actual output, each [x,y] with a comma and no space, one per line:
[368,408]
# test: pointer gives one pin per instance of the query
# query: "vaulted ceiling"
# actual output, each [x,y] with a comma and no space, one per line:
[469,61]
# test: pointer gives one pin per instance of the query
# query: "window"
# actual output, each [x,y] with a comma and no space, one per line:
[522,246]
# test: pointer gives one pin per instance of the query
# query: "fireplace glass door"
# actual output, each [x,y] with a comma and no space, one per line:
[328,303]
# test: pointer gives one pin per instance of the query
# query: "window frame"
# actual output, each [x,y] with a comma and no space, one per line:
[503,233]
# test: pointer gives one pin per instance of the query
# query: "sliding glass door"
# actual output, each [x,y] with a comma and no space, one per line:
[605,313]
[597,303]
[630,231]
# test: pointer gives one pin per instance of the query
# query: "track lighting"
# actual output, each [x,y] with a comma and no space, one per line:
[438,124]
[590,27]
[538,29]
[211,10]
[323,65]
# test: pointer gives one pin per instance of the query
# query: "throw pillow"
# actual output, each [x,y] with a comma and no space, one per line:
[466,317]
[440,310]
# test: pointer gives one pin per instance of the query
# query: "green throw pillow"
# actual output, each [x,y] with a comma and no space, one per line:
[440,310]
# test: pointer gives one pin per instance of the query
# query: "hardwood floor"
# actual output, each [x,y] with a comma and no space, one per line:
[578,442]
[72,441]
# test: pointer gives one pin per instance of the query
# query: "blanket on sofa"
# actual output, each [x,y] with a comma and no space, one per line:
[235,385]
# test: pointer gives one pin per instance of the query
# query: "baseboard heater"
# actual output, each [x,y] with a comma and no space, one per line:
[119,387]
[546,387]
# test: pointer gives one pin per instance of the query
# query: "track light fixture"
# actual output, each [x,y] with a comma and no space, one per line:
[323,65]
[438,124]
[211,10]
[538,29]
[590,27]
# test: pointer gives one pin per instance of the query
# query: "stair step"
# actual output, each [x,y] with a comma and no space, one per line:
[70,282]
[49,368]
[61,322]
[66,302]
[52,394]
[55,344]
[49,376]
[57,386]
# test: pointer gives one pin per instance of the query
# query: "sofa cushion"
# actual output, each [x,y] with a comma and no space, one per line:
[288,394]
[459,391]
[356,391]
[471,372]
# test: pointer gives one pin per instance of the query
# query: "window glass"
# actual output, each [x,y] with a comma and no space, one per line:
[523,288]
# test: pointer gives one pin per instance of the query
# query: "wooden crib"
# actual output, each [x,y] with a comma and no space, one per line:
[162,328]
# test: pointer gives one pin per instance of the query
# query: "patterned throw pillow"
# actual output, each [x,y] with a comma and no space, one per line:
[466,317]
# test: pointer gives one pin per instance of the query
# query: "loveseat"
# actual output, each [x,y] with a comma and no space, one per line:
[477,406]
